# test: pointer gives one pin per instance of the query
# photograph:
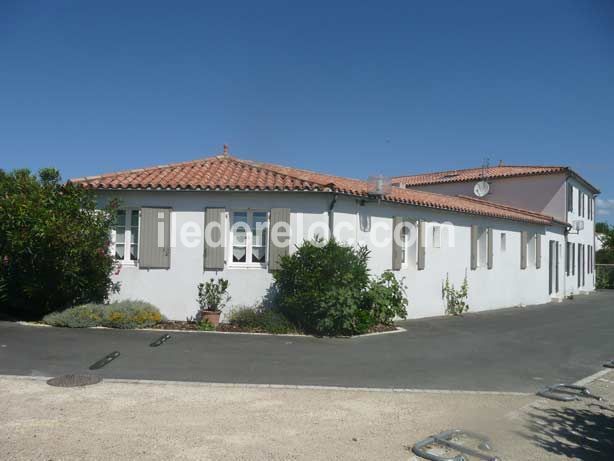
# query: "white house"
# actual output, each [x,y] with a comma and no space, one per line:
[556,191]
[511,253]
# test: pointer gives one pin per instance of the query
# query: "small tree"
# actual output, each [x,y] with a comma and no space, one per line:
[53,245]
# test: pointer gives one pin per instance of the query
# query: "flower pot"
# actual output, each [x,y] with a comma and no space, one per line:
[212,316]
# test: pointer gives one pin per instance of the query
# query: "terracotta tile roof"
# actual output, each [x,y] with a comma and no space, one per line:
[224,172]
[475,174]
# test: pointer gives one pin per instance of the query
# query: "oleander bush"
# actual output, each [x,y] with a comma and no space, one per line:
[325,288]
[53,245]
[120,314]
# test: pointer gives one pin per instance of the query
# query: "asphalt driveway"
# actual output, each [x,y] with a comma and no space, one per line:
[518,349]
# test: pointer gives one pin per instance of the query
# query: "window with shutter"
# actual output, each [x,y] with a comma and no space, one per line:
[213,238]
[279,237]
[155,238]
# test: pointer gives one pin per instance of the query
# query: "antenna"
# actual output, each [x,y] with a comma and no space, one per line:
[485,168]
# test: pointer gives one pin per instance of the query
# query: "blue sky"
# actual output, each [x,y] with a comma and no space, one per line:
[351,88]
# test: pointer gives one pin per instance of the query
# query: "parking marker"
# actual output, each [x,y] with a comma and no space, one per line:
[161,340]
[105,360]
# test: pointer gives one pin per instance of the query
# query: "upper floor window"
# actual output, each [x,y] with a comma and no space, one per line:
[249,237]
[125,235]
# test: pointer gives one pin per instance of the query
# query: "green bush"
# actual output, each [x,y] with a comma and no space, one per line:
[386,299]
[325,288]
[121,314]
[53,245]
[604,277]
[260,319]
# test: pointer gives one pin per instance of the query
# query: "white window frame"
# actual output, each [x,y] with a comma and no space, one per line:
[126,261]
[436,236]
[248,240]
[482,256]
[406,247]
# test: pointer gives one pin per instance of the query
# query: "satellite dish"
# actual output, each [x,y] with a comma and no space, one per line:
[481,189]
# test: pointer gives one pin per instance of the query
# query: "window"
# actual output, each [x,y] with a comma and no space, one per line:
[404,240]
[249,237]
[573,259]
[503,241]
[567,258]
[125,235]
[570,198]
[409,252]
[532,250]
[436,236]
[483,247]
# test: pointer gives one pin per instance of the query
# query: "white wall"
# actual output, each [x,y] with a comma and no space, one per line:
[585,236]
[174,290]
[503,286]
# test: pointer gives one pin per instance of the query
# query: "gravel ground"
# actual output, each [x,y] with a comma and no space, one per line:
[114,420]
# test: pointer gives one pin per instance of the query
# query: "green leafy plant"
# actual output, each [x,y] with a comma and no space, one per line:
[325,288]
[260,319]
[53,245]
[456,299]
[125,314]
[386,299]
[206,325]
[213,295]
[604,277]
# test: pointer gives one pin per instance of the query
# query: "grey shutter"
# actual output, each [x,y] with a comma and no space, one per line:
[397,247]
[276,252]
[538,251]
[155,238]
[569,198]
[421,245]
[523,249]
[214,244]
[490,248]
[474,247]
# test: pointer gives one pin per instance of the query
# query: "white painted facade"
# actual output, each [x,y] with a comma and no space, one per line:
[174,290]
[546,194]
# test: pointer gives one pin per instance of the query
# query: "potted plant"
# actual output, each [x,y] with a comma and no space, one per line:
[212,297]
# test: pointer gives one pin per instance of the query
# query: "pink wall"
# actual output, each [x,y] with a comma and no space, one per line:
[545,194]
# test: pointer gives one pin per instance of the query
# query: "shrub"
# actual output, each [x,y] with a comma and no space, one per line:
[53,245]
[386,299]
[604,277]
[120,314]
[456,300]
[260,319]
[325,288]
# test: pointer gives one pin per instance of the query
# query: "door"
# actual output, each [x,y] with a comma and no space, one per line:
[553,267]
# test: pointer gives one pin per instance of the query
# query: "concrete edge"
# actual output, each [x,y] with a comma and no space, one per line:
[284,386]
[593,377]
[161,331]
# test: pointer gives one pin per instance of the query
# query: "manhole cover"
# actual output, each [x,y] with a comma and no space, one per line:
[74,380]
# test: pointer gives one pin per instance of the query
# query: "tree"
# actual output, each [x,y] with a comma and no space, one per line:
[606,236]
[53,244]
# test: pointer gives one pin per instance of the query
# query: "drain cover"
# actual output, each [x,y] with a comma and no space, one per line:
[74,380]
